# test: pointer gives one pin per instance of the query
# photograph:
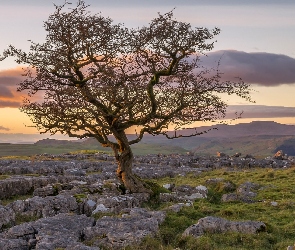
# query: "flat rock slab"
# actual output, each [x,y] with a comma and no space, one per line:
[116,233]
[219,225]
[62,230]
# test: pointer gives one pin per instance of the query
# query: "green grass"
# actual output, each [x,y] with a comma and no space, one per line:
[5,202]
[21,218]
[4,176]
[276,185]
[23,151]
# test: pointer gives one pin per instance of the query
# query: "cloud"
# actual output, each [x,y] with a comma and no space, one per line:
[260,111]
[5,92]
[9,104]
[3,128]
[263,69]
[260,68]
[9,79]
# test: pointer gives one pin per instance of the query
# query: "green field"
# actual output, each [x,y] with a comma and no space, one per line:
[7,149]
[276,185]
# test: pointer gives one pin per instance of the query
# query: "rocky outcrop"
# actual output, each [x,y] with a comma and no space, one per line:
[115,204]
[184,193]
[60,231]
[246,192]
[7,217]
[45,207]
[13,244]
[116,233]
[68,193]
[219,225]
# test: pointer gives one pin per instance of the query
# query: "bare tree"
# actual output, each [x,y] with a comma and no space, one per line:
[99,79]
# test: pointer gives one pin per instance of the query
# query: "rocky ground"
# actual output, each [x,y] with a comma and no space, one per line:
[75,201]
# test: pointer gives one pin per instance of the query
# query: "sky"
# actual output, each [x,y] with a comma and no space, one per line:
[256,43]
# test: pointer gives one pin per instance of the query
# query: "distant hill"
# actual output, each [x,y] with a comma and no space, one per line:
[261,138]
[245,129]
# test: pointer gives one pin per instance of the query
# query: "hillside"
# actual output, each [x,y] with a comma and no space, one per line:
[260,138]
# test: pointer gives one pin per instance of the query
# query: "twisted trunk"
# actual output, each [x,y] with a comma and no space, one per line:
[124,171]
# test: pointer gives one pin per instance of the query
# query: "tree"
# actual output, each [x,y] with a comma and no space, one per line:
[98,79]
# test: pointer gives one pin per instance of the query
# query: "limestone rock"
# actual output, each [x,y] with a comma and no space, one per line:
[115,204]
[247,191]
[169,186]
[75,172]
[7,217]
[230,197]
[177,207]
[219,225]
[45,207]
[13,244]
[44,191]
[117,233]
[62,230]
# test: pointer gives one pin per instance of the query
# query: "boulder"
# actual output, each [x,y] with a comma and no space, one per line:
[247,191]
[169,186]
[212,224]
[230,197]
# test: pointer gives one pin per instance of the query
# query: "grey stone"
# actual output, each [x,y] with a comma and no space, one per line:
[100,208]
[170,197]
[230,197]
[13,244]
[62,230]
[44,191]
[247,191]
[115,204]
[75,172]
[117,233]
[177,207]
[212,224]
[169,186]
[7,217]
[45,207]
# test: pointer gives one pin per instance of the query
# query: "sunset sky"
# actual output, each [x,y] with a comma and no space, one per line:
[257,43]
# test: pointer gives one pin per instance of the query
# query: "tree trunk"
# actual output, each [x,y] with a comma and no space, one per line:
[124,170]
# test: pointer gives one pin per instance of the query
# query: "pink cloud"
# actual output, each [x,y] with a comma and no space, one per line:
[264,69]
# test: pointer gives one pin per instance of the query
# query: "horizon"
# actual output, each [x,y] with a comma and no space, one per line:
[21,138]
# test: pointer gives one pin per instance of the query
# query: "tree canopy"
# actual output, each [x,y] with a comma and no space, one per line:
[99,79]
